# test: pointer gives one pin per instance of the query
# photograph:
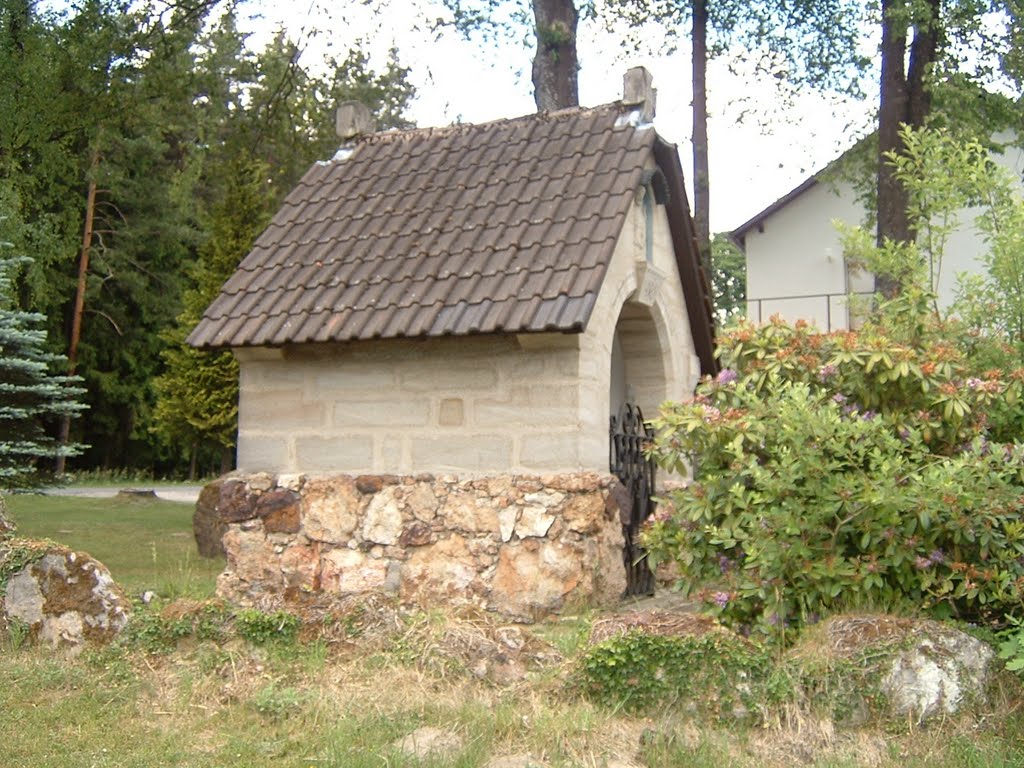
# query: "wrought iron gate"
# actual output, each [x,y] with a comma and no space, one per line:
[627,461]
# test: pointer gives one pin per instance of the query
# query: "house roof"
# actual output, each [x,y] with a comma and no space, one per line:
[739,235]
[844,166]
[506,226]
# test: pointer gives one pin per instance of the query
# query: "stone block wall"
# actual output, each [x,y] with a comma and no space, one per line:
[522,546]
[460,405]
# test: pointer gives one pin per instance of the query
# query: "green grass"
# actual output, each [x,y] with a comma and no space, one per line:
[126,478]
[234,705]
[146,543]
[218,700]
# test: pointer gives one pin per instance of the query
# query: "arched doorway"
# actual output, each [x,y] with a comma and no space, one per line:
[637,387]
[638,361]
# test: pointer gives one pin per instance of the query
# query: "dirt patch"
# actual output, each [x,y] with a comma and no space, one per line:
[654,622]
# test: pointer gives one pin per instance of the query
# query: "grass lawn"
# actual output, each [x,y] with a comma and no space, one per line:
[347,693]
[146,543]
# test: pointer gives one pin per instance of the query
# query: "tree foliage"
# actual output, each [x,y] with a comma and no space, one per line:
[728,279]
[33,394]
[550,25]
[197,395]
[163,99]
[925,43]
[800,44]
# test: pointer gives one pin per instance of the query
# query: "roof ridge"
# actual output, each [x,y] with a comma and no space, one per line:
[431,132]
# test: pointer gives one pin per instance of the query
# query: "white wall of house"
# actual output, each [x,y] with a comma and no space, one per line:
[795,265]
[529,403]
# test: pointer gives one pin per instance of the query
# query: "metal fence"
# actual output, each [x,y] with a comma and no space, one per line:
[834,318]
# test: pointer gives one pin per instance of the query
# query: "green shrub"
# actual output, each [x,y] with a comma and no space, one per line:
[1011,646]
[716,674]
[262,628]
[276,703]
[156,631]
[838,470]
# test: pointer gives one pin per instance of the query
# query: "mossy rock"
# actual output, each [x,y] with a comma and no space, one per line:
[862,667]
[60,597]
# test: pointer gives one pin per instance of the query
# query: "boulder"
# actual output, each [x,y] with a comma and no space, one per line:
[207,526]
[62,598]
[279,510]
[534,578]
[941,671]
[383,521]
[923,669]
[331,509]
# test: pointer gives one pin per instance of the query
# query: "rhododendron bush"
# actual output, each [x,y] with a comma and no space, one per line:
[844,470]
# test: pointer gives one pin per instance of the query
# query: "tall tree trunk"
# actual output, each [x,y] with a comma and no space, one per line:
[79,307]
[923,52]
[555,64]
[904,100]
[701,172]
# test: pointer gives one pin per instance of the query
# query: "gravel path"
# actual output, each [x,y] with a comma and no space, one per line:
[187,494]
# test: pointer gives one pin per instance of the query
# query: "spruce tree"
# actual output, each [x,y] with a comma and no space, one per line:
[32,396]
[197,395]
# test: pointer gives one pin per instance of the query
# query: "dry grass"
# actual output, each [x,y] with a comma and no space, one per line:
[366,675]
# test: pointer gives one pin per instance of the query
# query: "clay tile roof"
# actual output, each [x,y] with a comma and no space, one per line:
[506,226]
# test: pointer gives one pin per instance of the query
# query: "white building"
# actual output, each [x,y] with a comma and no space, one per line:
[795,262]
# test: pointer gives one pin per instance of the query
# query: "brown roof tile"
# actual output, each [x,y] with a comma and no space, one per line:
[500,227]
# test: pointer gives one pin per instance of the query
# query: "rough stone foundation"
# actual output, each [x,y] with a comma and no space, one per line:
[524,547]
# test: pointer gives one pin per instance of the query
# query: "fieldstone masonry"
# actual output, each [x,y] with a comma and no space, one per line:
[522,546]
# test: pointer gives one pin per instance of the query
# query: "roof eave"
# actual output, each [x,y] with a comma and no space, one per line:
[738,236]
[695,283]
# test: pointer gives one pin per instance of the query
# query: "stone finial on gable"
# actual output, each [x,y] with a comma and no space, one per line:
[353,119]
[638,91]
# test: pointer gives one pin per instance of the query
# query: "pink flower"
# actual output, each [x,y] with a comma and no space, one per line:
[711,413]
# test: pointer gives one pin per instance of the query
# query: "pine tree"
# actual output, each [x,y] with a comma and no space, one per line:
[197,405]
[32,397]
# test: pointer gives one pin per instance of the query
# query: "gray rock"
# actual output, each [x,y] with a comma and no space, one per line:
[383,523]
[922,668]
[64,598]
[942,671]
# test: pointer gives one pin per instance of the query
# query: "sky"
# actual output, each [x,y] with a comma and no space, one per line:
[758,152]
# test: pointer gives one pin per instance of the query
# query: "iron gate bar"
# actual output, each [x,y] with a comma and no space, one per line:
[628,461]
